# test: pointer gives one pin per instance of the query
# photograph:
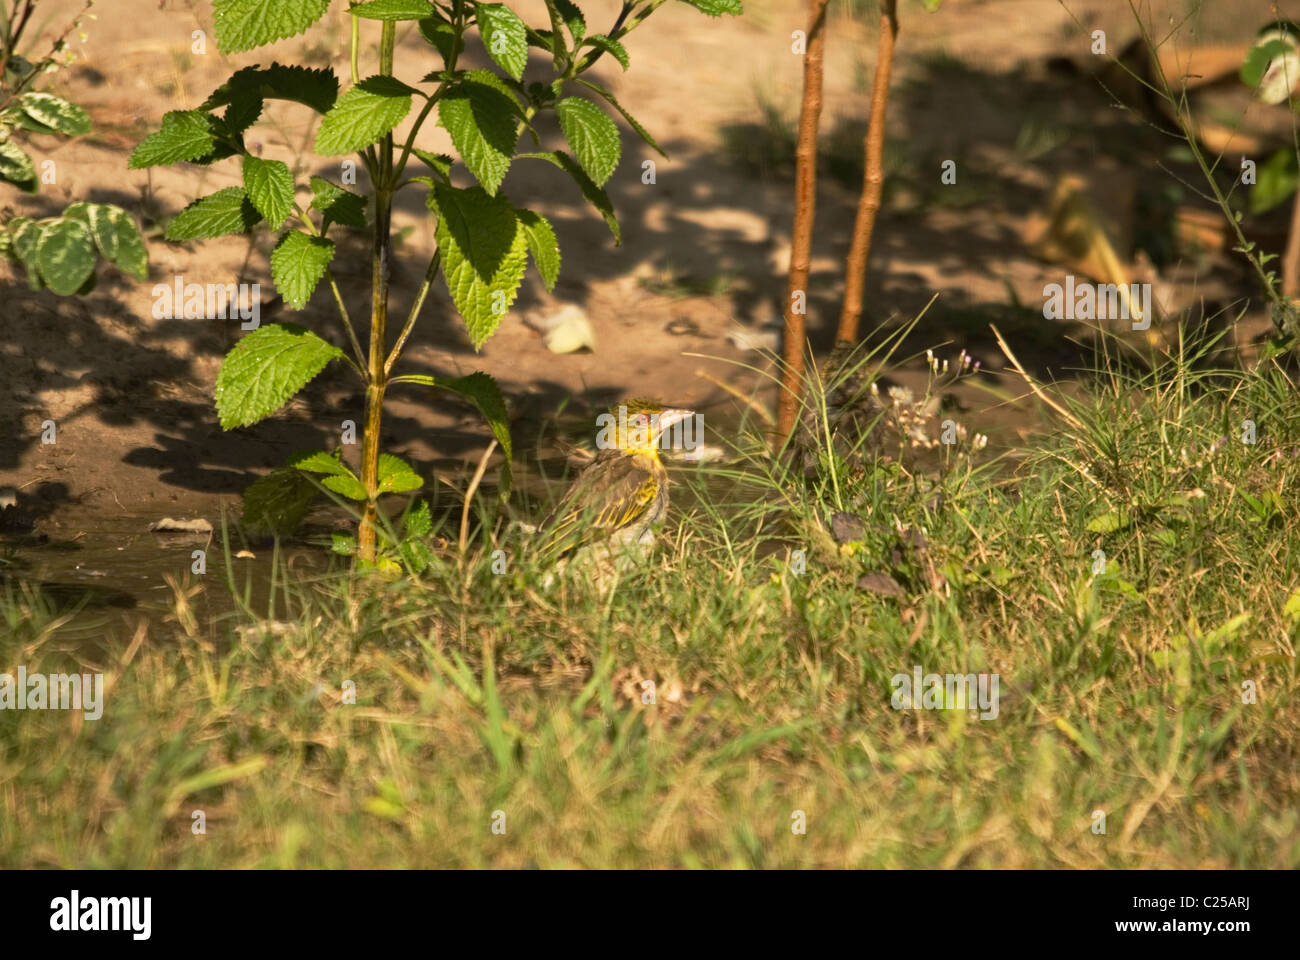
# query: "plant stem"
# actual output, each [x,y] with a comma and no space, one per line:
[434,262]
[366,535]
[615,32]
[873,178]
[805,205]
[347,323]
[415,128]
[458,27]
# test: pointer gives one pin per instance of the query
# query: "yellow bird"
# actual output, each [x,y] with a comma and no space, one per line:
[624,491]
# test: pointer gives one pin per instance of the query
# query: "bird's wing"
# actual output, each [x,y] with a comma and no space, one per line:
[610,493]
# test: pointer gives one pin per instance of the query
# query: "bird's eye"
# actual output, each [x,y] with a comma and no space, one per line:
[642,419]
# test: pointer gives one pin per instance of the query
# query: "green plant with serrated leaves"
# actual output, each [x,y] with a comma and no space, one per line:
[58,253]
[278,502]
[484,241]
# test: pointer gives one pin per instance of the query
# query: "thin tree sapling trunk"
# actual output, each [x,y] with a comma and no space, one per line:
[805,205]
[873,179]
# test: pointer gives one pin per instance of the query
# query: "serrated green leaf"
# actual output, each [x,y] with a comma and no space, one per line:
[66,255]
[337,205]
[415,554]
[297,264]
[419,521]
[571,17]
[216,215]
[244,24]
[315,88]
[246,89]
[396,475]
[439,163]
[611,46]
[542,39]
[269,185]
[632,121]
[364,114]
[348,486]
[484,253]
[243,113]
[480,114]
[481,390]
[265,369]
[118,238]
[442,37]
[16,167]
[716,8]
[593,136]
[56,113]
[184,135]
[594,194]
[277,503]
[393,10]
[542,245]
[318,461]
[504,36]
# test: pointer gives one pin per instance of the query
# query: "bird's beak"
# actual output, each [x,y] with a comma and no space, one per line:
[672,416]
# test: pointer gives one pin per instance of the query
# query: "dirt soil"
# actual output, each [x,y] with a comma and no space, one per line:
[1002,87]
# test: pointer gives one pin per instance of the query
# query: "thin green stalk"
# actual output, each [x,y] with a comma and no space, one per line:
[434,262]
[458,28]
[415,128]
[360,365]
[528,116]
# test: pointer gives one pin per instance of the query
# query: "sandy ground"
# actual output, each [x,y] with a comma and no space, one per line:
[131,395]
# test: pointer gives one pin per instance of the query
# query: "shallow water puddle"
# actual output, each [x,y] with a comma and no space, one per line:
[107,573]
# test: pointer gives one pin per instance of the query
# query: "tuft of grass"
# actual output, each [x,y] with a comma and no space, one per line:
[686,713]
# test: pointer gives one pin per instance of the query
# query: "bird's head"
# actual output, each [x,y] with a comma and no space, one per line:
[639,425]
